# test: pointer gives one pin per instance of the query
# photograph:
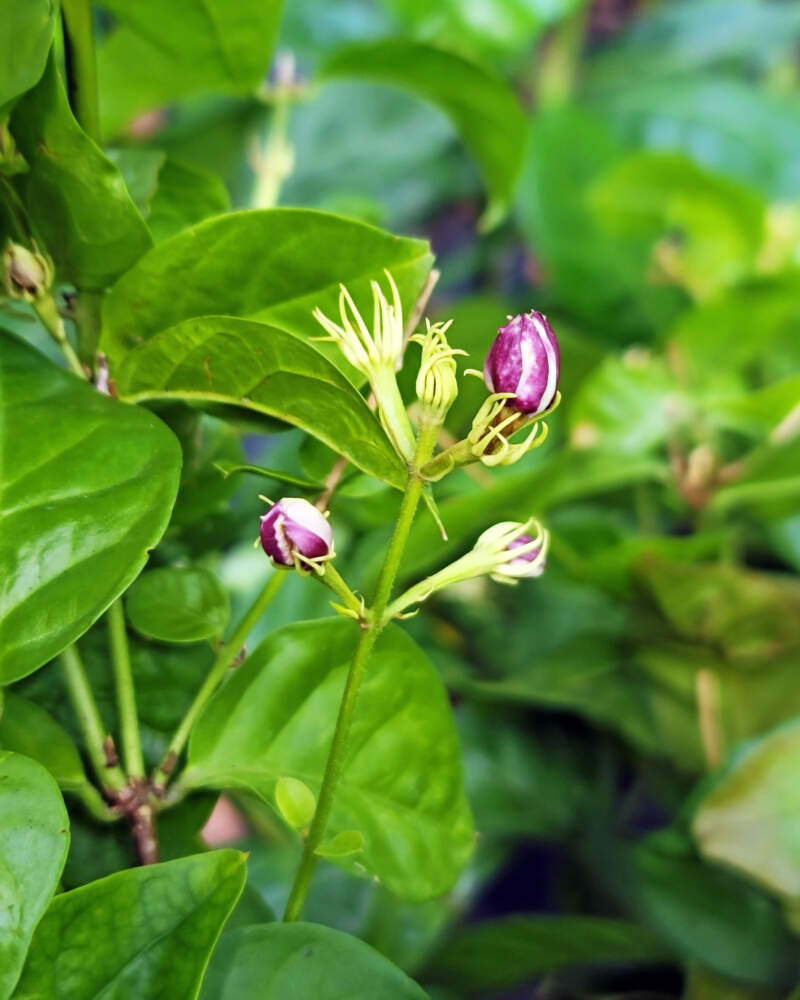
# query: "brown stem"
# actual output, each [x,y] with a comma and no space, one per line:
[143,826]
[420,305]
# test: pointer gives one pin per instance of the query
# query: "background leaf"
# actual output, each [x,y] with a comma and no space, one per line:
[515,950]
[295,961]
[34,837]
[76,197]
[87,485]
[173,914]
[480,104]
[156,56]
[178,605]
[747,817]
[402,783]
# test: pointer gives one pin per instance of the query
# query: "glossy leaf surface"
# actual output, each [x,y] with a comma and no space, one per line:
[75,195]
[24,44]
[34,837]
[267,370]
[173,913]
[256,264]
[178,605]
[87,485]
[299,961]
[402,784]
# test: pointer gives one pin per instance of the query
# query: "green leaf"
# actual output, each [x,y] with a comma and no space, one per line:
[24,44]
[708,228]
[267,370]
[342,845]
[626,406]
[169,194]
[295,802]
[769,485]
[178,605]
[481,105]
[87,485]
[146,932]
[75,196]
[298,961]
[28,729]
[708,915]
[258,264]
[748,817]
[515,950]
[34,837]
[185,195]
[231,468]
[401,783]
[157,55]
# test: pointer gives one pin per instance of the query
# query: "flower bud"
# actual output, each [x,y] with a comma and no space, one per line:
[437,387]
[528,562]
[295,533]
[524,360]
[27,274]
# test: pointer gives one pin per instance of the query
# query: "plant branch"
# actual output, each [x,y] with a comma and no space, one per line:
[110,775]
[130,740]
[358,665]
[225,658]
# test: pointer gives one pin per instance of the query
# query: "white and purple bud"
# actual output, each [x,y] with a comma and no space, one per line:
[525,360]
[27,274]
[295,533]
[529,556]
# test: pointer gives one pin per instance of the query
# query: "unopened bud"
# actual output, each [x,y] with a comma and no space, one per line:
[523,556]
[295,533]
[524,360]
[437,386]
[27,275]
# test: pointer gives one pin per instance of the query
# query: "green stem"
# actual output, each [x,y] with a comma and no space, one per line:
[94,733]
[45,309]
[333,579]
[365,645]
[131,744]
[81,65]
[225,658]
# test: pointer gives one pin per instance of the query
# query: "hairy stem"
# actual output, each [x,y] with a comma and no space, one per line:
[130,740]
[358,665]
[226,656]
[332,579]
[109,774]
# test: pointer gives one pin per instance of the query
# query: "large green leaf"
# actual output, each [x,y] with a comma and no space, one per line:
[275,265]
[86,487]
[145,932]
[401,785]
[748,817]
[480,104]
[219,359]
[299,961]
[24,44]
[34,837]
[159,54]
[516,950]
[75,196]
[27,728]
[178,605]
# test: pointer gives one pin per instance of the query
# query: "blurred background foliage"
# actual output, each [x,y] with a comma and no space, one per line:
[630,721]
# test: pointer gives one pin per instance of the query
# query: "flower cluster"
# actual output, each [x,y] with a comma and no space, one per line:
[521,372]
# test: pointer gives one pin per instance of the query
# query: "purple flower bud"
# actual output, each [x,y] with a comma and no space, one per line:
[293,529]
[525,360]
[524,565]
